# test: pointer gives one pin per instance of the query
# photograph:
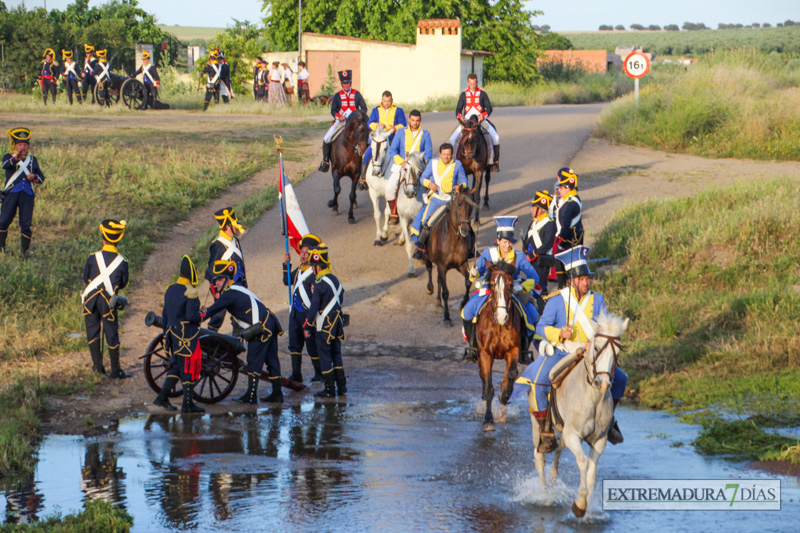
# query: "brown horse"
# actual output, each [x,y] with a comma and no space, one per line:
[347,151]
[449,248]
[499,327]
[473,152]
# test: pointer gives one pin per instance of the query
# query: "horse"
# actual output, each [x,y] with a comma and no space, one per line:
[408,204]
[473,152]
[498,331]
[448,247]
[347,151]
[585,407]
[377,184]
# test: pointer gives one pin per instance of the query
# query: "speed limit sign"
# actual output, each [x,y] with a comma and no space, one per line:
[636,65]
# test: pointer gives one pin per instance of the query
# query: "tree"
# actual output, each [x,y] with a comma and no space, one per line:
[502,27]
[605,27]
[241,44]
[654,27]
[691,26]
[554,41]
[672,27]
[789,23]
[756,25]
[544,29]
[619,27]
[767,25]
[637,27]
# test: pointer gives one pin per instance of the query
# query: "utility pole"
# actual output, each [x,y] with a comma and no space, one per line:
[299,30]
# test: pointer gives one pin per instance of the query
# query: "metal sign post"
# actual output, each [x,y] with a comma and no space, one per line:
[636,65]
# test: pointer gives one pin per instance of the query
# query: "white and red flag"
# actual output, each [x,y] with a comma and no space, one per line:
[293,223]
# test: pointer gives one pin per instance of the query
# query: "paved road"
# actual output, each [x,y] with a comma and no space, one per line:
[391,313]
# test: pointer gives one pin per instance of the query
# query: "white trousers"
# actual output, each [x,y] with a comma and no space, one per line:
[486,125]
[336,126]
[392,182]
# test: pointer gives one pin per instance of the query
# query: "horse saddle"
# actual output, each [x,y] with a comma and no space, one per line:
[338,131]
[562,369]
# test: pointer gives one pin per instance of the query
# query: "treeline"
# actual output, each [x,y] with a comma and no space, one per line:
[692,26]
[117,26]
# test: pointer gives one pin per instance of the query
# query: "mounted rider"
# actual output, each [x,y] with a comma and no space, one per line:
[150,78]
[88,71]
[474,103]
[441,177]
[389,117]
[227,247]
[181,317]
[566,326]
[70,75]
[343,104]
[523,288]
[302,278]
[539,238]
[325,323]
[567,211]
[413,139]
[248,311]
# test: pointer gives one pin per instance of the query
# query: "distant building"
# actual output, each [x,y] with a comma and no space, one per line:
[624,51]
[193,53]
[588,60]
[433,67]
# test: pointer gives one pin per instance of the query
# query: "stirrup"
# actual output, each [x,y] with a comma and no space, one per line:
[324,166]
[614,434]
[547,443]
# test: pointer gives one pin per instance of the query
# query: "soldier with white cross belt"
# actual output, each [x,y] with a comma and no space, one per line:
[105,274]
[227,247]
[22,174]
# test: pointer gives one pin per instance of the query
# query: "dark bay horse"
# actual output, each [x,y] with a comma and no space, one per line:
[499,327]
[448,248]
[473,152]
[347,151]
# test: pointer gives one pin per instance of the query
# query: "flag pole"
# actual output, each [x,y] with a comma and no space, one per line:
[284,212]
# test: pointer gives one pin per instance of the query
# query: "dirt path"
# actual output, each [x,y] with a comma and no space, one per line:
[391,315]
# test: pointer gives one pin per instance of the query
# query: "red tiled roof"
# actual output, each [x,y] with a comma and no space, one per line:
[439,23]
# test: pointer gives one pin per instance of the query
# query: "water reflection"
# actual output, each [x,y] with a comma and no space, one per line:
[101,478]
[23,501]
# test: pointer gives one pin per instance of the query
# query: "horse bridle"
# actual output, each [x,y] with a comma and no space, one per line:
[355,146]
[495,307]
[461,222]
[616,349]
[470,154]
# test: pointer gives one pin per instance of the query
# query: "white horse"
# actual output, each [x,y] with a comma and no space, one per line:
[408,203]
[377,184]
[585,406]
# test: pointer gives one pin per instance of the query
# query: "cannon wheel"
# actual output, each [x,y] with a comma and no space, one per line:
[133,94]
[113,95]
[218,374]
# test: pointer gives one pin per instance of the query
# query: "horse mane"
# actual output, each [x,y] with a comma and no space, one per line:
[610,324]
[507,268]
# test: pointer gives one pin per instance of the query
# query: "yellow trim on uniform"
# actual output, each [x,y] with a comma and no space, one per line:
[110,248]
[323,272]
[446,174]
[553,334]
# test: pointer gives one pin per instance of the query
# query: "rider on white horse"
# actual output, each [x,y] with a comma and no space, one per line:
[413,139]
[474,103]
[389,117]
[565,326]
[441,177]
[504,252]
[343,104]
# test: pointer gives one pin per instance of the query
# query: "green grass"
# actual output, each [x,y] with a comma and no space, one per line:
[97,516]
[677,43]
[743,440]
[741,104]
[187,33]
[707,282]
[152,185]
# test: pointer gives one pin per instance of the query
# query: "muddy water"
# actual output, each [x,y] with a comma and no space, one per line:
[364,464]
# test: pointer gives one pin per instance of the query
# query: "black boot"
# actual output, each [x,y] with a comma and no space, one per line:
[330,386]
[205,105]
[471,351]
[3,239]
[250,395]
[317,370]
[326,157]
[496,164]
[97,357]
[422,240]
[188,400]
[162,400]
[297,362]
[362,182]
[224,99]
[277,393]
[116,371]
[614,434]
[525,354]
[341,381]
[24,245]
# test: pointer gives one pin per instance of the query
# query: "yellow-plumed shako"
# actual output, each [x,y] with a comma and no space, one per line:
[319,256]
[49,51]
[112,230]
[146,55]
[542,200]
[88,48]
[310,240]
[567,178]
[66,54]
[223,269]
[101,54]
[226,216]
[19,135]
[188,271]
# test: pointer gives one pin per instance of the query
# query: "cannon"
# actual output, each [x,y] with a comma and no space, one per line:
[220,367]
[131,90]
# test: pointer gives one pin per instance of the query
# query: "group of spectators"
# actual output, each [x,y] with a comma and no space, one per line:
[275,83]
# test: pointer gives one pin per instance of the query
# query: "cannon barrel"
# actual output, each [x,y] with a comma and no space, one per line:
[152,319]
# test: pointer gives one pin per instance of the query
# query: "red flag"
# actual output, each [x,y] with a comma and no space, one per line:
[294,224]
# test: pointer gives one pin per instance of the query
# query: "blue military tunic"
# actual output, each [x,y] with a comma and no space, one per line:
[394,117]
[105,273]
[447,179]
[302,279]
[181,316]
[325,320]
[408,142]
[479,297]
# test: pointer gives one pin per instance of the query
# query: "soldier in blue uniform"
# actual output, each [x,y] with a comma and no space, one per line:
[389,117]
[227,247]
[105,274]
[538,241]
[247,309]
[18,193]
[412,139]
[102,76]
[88,72]
[181,316]
[48,75]
[564,327]
[325,323]
[70,75]
[441,177]
[302,278]
[150,79]
[213,72]
[503,252]
[568,210]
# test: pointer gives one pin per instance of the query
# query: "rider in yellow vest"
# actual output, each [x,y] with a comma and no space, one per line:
[386,116]
[412,139]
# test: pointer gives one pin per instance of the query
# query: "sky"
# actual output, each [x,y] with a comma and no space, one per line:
[560,15]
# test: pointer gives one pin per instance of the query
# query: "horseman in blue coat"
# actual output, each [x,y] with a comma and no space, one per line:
[565,326]
[412,139]
[441,177]
[504,251]
[389,117]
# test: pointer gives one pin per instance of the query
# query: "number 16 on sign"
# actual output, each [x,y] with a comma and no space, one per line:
[636,65]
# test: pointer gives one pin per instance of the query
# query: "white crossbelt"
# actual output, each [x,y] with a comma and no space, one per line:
[217,70]
[231,248]
[575,220]
[22,168]
[578,313]
[416,139]
[146,72]
[253,303]
[104,277]
[104,74]
[534,233]
[337,293]
[300,288]
[70,69]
